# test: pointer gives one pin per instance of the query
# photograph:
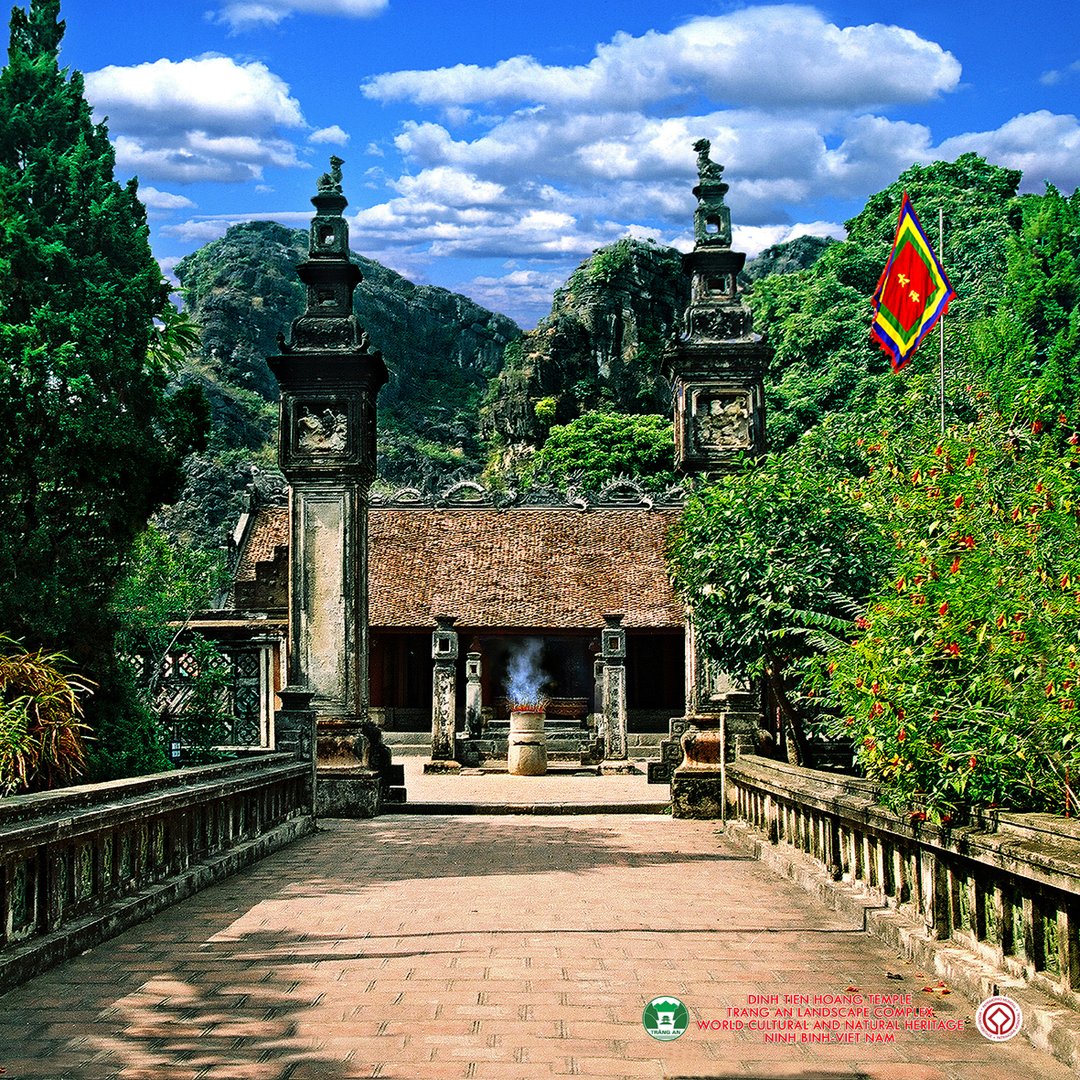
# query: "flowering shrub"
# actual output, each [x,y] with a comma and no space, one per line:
[961,683]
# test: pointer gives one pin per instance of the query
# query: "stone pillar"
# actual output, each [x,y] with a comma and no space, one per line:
[329,378]
[598,696]
[613,651]
[716,367]
[474,702]
[444,652]
[294,731]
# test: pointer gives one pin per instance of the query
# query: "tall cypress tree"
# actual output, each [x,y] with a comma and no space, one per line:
[90,441]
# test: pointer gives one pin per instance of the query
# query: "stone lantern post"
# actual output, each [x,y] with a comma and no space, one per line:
[329,376]
[716,368]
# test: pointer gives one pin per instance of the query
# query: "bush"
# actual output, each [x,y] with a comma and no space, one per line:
[42,736]
[960,683]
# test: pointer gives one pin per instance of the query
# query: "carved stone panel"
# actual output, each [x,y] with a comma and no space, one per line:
[721,420]
[321,427]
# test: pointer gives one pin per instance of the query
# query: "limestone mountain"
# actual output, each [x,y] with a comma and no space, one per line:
[788,257]
[442,350]
[598,349]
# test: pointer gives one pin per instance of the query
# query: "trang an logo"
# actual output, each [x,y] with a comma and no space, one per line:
[665,1018]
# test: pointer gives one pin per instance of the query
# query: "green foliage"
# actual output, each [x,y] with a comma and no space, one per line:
[1026,351]
[771,552]
[164,585]
[598,447]
[42,736]
[545,409]
[90,442]
[818,320]
[960,683]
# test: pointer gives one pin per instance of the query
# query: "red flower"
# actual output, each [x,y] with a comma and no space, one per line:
[944,608]
[955,568]
[1074,438]
[958,501]
[968,541]
[937,745]
[1036,427]
[1000,621]
[972,761]
[861,623]
[934,718]
[1049,689]
[952,649]
[901,735]
[939,450]
[970,459]
[1063,420]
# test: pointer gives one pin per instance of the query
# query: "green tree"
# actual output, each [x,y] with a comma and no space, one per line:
[818,320]
[598,447]
[767,555]
[90,441]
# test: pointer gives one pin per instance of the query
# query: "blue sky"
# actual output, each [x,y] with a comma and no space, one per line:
[490,147]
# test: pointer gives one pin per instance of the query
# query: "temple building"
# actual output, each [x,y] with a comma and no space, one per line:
[545,579]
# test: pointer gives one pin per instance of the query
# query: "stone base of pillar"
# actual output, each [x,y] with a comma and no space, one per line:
[438,765]
[348,793]
[355,773]
[697,784]
[696,794]
[619,768]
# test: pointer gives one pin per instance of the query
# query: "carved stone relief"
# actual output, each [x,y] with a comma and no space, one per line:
[722,420]
[321,431]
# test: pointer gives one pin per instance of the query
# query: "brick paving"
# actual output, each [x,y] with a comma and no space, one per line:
[480,946]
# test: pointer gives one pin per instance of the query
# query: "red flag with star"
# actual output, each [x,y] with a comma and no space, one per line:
[913,292]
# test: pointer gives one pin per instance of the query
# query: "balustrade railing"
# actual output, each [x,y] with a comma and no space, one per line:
[1006,886]
[82,863]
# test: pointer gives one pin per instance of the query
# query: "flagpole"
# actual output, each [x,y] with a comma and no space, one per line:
[941,249]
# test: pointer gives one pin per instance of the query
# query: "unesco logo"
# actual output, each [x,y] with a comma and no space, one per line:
[999,1018]
[665,1018]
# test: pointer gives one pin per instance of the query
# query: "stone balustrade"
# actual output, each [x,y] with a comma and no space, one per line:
[1005,886]
[81,864]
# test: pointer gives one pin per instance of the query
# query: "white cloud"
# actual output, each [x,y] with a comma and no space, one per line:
[153,199]
[754,239]
[208,118]
[214,93]
[243,14]
[522,291]
[779,55]
[332,135]
[201,230]
[1054,76]
[452,186]
[1045,145]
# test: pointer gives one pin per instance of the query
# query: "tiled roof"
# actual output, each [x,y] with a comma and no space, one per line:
[268,532]
[550,567]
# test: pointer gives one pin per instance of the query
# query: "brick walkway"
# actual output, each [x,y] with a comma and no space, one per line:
[508,947]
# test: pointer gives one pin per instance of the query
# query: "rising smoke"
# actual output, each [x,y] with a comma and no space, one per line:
[524,675]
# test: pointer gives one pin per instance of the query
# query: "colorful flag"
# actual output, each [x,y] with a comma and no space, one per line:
[913,292]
